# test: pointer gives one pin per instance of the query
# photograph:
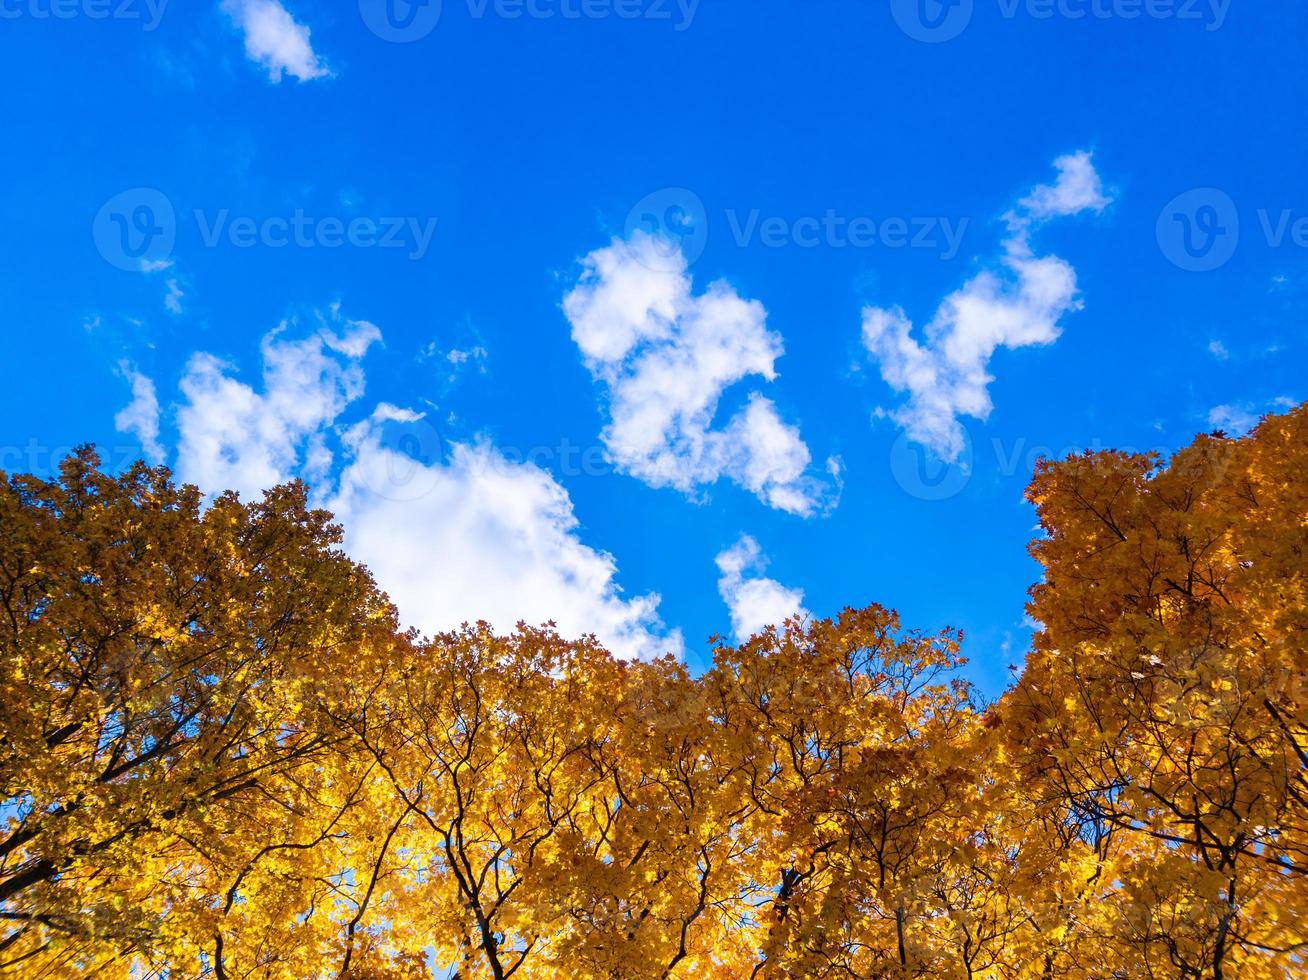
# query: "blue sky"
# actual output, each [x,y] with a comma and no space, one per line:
[664,280]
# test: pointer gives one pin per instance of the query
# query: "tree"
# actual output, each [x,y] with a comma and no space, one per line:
[222,757]
[1164,697]
[172,786]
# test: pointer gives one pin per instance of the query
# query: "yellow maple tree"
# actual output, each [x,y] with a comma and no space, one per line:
[221,756]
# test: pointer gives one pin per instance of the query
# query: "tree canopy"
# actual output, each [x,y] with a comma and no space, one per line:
[222,756]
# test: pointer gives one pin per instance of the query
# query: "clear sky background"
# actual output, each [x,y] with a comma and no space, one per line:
[412,205]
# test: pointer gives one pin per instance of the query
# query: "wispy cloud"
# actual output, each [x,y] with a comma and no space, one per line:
[275,40]
[666,355]
[1017,302]
[454,364]
[173,297]
[141,417]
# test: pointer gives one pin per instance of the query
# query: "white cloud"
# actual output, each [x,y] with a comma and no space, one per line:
[234,438]
[666,357]
[141,417]
[1077,189]
[1017,303]
[173,291]
[481,537]
[1239,419]
[457,361]
[472,536]
[173,298]
[1218,350]
[755,603]
[458,357]
[274,39]
[1234,420]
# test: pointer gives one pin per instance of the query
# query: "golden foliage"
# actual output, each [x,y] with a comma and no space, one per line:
[221,757]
